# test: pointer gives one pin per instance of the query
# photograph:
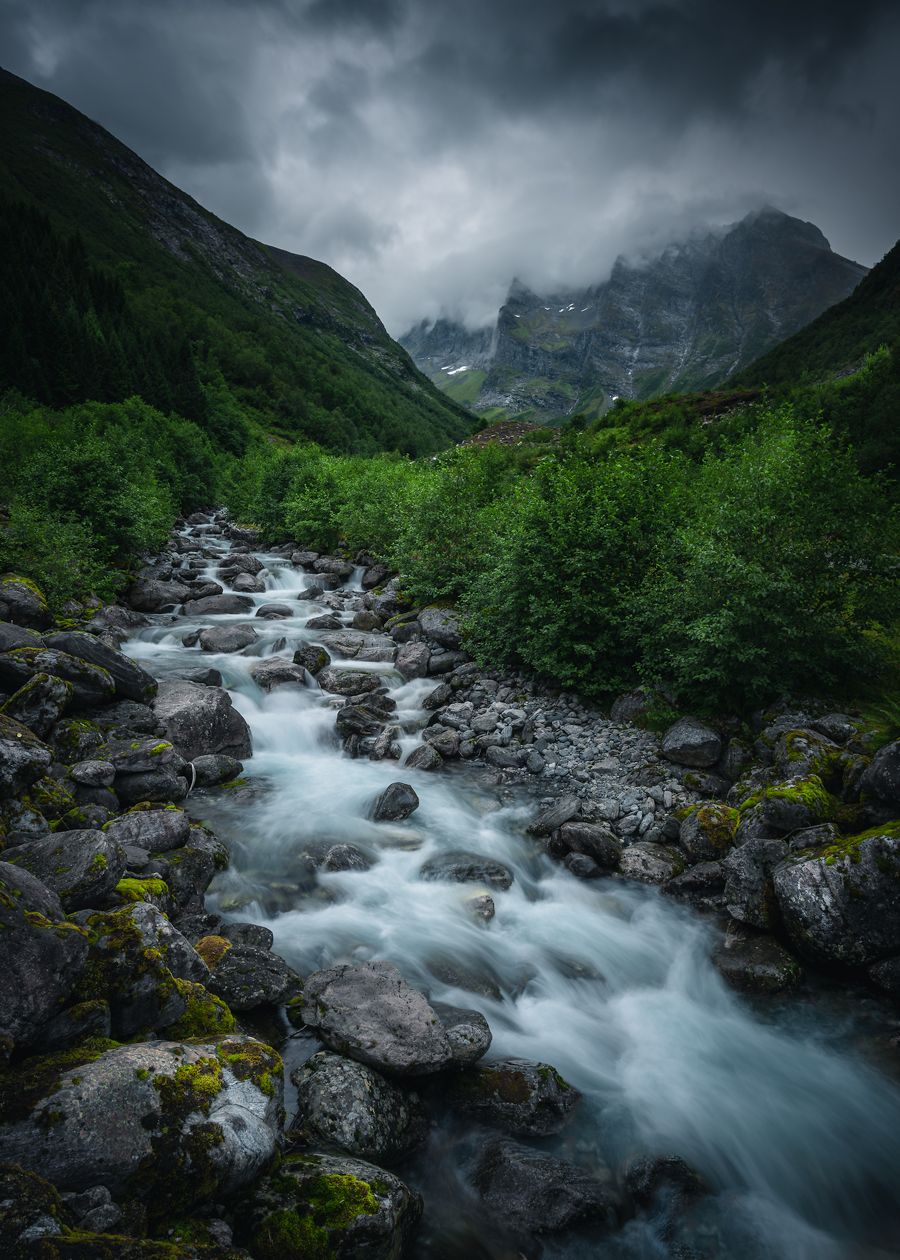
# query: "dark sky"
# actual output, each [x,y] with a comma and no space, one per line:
[431,149]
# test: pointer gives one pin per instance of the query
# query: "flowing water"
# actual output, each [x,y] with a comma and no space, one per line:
[797,1133]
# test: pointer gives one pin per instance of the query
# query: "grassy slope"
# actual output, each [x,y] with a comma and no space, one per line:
[300,348]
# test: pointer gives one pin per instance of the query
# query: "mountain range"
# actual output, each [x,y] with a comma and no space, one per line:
[693,316]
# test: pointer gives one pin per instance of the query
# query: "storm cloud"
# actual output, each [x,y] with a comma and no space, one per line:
[431,151]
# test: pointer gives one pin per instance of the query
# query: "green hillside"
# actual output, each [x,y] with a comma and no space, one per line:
[123,284]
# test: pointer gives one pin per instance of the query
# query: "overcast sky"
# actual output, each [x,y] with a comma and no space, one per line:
[430,150]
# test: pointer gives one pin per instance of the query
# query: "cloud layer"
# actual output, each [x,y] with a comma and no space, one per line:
[431,151]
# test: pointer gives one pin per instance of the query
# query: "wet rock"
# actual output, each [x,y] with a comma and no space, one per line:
[312,658]
[31,1211]
[151,595]
[235,563]
[132,682]
[516,1096]
[749,887]
[23,758]
[333,564]
[582,866]
[218,605]
[458,866]
[348,682]
[274,612]
[81,867]
[467,1031]
[882,778]
[247,584]
[164,786]
[369,1012]
[345,857]
[424,758]
[91,684]
[366,620]
[691,743]
[481,905]
[43,957]
[205,677]
[436,699]
[885,976]
[754,963]
[653,1177]
[155,830]
[228,638]
[246,977]
[333,1206]
[782,808]
[189,870]
[355,721]
[505,758]
[651,863]
[215,768]
[456,973]
[247,934]
[529,1192]
[594,841]
[23,603]
[703,883]
[172,1123]
[17,636]
[549,819]
[127,715]
[94,773]
[276,671]
[441,625]
[327,621]
[412,660]
[395,803]
[631,706]
[375,575]
[201,720]
[353,1107]
[840,905]
[39,703]
[707,831]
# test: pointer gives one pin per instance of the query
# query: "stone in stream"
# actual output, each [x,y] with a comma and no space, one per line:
[351,1106]
[461,867]
[441,625]
[215,768]
[529,1192]
[325,621]
[274,612]
[650,1177]
[749,885]
[151,595]
[246,977]
[247,584]
[345,857]
[170,1123]
[81,867]
[218,605]
[205,677]
[247,934]
[348,682]
[412,660]
[549,819]
[155,830]
[691,743]
[516,1096]
[425,757]
[201,720]
[593,841]
[651,863]
[754,963]
[227,638]
[277,671]
[312,658]
[132,682]
[396,802]
[368,1012]
[334,1206]
[236,563]
[39,703]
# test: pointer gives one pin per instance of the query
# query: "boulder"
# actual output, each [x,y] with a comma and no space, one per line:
[425,757]
[227,638]
[237,562]
[150,595]
[274,612]
[345,857]
[43,956]
[754,963]
[162,786]
[707,831]
[782,808]
[155,830]
[882,778]
[334,1206]
[468,1031]
[93,773]
[23,603]
[553,817]
[348,682]
[312,658]
[189,870]
[594,841]
[749,888]
[131,681]
[81,867]
[91,684]
[247,977]
[247,934]
[174,1124]
[215,768]
[651,1177]
[325,621]
[529,1192]
[23,758]
[115,617]
[459,867]
[396,802]
[247,584]
[351,1106]
[514,1095]
[39,703]
[441,625]
[333,564]
[217,606]
[691,743]
[17,636]
[276,671]
[368,1012]
[201,720]
[412,660]
[651,863]
[840,904]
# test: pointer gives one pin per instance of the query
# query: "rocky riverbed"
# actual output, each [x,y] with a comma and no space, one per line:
[544,981]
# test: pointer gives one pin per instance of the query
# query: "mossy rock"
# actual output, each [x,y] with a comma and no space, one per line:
[205,1015]
[708,831]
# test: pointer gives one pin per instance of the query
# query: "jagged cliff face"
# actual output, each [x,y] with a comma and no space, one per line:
[687,319]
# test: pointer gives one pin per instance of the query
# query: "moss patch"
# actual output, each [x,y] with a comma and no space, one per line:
[142,889]
[205,1014]
[324,1206]
[212,949]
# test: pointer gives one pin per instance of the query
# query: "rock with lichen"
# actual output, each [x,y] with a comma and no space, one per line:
[81,867]
[514,1095]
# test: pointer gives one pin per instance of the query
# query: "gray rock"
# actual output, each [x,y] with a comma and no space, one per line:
[91,684]
[369,1013]
[81,867]
[276,671]
[43,957]
[708,831]
[215,768]
[115,617]
[549,819]
[516,1096]
[355,1108]
[227,638]
[425,757]
[595,841]
[94,773]
[218,605]
[173,1123]
[348,682]
[375,1222]
[529,1192]
[459,867]
[274,612]
[39,703]
[506,758]
[841,905]
[691,743]
[749,887]
[333,564]
[412,660]
[882,778]
[151,595]
[132,682]
[396,802]
[205,677]
[436,699]
[163,786]
[154,830]
[785,807]
[247,934]
[12,636]
[189,870]
[345,857]
[134,756]
[326,621]
[753,963]
[631,706]
[467,1031]
[201,720]
[651,863]
[312,658]
[441,625]
[23,603]
[247,584]
[247,977]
